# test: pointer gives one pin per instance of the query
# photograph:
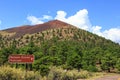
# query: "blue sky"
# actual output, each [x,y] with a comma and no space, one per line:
[101,17]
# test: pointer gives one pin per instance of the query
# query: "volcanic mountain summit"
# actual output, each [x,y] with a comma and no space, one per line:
[30,29]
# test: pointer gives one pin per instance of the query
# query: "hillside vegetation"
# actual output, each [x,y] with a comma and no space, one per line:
[67,47]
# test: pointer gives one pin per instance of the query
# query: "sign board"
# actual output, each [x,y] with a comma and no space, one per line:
[21,58]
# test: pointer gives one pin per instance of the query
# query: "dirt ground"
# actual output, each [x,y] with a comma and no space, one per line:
[115,77]
[106,77]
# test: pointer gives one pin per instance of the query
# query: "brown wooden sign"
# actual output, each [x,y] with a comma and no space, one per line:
[21,58]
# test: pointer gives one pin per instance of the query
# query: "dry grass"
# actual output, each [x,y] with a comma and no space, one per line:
[60,74]
[56,73]
[8,73]
[4,33]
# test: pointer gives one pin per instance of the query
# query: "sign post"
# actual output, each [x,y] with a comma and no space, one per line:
[21,59]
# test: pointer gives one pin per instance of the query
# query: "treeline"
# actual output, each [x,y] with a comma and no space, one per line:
[67,54]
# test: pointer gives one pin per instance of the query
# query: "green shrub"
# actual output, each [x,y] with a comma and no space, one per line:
[92,68]
[44,70]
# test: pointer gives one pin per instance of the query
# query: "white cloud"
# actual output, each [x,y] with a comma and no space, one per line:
[80,19]
[35,20]
[46,17]
[61,15]
[112,34]
[97,30]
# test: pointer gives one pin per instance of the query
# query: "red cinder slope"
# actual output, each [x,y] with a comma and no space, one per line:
[28,29]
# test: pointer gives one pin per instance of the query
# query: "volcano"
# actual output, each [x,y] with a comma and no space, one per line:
[30,29]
